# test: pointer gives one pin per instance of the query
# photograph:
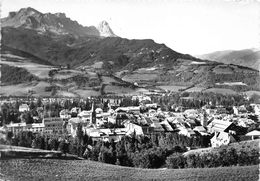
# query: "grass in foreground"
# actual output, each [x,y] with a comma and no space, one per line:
[53,169]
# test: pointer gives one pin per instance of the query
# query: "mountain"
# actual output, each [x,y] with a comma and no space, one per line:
[247,57]
[105,30]
[142,61]
[58,23]
[114,52]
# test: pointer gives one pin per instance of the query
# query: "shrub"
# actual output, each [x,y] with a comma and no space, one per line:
[151,158]
[176,160]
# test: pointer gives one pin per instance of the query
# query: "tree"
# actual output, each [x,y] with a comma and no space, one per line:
[32,106]
[63,147]
[151,158]
[39,102]
[176,160]
[9,136]
[79,133]
[53,144]
[38,142]
[106,155]
[28,118]
[25,138]
[121,153]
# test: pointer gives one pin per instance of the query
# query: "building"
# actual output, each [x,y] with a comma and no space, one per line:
[131,128]
[221,138]
[221,126]
[106,134]
[201,130]
[73,123]
[239,110]
[113,102]
[24,108]
[166,126]
[133,109]
[15,128]
[255,134]
[186,132]
[36,127]
[53,125]
[85,115]
[64,114]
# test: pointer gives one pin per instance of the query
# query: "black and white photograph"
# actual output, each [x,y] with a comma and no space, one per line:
[130,90]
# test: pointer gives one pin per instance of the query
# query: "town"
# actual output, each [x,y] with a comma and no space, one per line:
[198,119]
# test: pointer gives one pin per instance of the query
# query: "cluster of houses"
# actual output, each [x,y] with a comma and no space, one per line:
[147,119]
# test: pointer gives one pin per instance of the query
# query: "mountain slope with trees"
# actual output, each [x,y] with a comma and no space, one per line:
[142,61]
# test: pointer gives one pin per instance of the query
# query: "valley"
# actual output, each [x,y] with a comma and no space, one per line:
[89,103]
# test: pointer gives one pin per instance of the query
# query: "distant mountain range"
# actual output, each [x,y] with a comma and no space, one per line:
[247,57]
[56,23]
[55,39]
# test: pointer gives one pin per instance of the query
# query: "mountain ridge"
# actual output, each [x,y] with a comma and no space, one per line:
[57,23]
[144,62]
[245,57]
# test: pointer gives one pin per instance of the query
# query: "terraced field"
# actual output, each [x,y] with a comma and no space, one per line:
[53,169]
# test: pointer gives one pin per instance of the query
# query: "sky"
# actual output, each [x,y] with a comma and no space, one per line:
[188,26]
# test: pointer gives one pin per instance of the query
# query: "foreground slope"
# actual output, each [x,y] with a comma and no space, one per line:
[53,169]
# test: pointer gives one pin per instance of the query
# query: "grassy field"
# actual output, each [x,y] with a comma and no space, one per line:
[23,88]
[38,70]
[136,77]
[220,91]
[53,169]
[174,88]
[119,90]
[250,93]
[195,89]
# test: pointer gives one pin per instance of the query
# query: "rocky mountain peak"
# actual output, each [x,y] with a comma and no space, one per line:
[60,15]
[11,14]
[56,23]
[28,11]
[105,30]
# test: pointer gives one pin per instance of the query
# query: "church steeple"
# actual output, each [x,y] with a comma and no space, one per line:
[93,113]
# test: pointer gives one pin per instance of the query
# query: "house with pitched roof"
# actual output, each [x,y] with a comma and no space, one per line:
[222,138]
[218,125]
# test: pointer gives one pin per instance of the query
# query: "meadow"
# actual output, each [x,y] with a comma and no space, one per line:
[54,169]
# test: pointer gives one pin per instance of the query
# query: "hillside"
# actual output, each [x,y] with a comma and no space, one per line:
[37,79]
[142,61]
[113,52]
[15,75]
[11,54]
[53,169]
[245,146]
[248,57]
